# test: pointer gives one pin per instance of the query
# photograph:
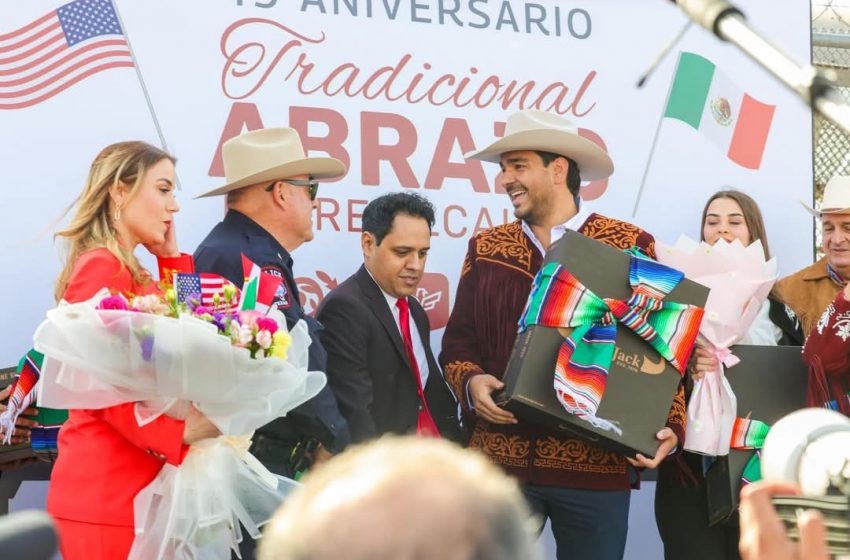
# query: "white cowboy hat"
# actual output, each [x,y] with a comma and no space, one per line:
[836,197]
[530,129]
[269,154]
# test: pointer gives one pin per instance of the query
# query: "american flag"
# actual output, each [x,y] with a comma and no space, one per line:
[54,52]
[188,285]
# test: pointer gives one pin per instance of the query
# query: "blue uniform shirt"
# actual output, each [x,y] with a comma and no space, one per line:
[221,253]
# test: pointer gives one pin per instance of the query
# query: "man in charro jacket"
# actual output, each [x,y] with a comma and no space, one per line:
[583,489]
[809,291]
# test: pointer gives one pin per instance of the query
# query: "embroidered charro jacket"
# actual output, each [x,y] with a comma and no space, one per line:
[827,355]
[808,292]
[495,281]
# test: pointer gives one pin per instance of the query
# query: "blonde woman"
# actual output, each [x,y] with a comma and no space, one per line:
[105,458]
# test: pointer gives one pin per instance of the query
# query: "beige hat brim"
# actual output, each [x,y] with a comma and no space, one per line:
[316,167]
[594,163]
[822,211]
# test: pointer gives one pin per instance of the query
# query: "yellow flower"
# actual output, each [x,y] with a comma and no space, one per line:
[281,341]
[170,296]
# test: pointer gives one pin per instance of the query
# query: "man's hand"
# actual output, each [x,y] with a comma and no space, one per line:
[22,425]
[701,362]
[668,440]
[481,388]
[320,456]
[763,535]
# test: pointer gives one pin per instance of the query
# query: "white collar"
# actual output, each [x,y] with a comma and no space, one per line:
[559,230]
[391,300]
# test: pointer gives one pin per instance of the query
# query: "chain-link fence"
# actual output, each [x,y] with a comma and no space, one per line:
[830,51]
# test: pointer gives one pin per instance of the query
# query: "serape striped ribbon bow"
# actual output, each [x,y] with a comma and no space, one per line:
[749,434]
[558,299]
[24,392]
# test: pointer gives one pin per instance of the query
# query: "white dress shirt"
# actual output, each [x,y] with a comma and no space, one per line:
[558,231]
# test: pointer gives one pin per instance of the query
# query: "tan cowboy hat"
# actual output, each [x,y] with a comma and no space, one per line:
[836,197]
[269,154]
[530,129]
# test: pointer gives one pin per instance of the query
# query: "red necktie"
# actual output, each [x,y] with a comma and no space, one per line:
[425,425]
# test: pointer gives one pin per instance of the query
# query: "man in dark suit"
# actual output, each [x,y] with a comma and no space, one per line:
[380,364]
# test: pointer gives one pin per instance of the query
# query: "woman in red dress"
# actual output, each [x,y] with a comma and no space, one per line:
[105,458]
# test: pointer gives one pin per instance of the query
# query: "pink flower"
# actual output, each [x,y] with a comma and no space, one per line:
[241,335]
[267,324]
[202,310]
[150,303]
[264,339]
[113,303]
[249,318]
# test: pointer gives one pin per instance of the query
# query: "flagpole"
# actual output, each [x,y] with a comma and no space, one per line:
[139,75]
[655,140]
[648,163]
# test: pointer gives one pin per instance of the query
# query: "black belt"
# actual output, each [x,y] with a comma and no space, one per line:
[286,455]
[271,449]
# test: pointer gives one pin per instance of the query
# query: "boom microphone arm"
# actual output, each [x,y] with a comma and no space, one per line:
[815,87]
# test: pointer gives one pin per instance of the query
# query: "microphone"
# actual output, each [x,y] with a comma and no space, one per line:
[28,534]
[816,87]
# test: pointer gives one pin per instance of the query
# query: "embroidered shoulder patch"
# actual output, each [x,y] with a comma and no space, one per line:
[282,299]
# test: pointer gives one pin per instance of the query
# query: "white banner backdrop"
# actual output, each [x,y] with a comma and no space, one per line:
[398,90]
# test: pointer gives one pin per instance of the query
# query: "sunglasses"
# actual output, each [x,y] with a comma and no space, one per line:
[311,184]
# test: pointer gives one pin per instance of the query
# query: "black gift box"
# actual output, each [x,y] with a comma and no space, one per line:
[641,384]
[12,453]
[769,383]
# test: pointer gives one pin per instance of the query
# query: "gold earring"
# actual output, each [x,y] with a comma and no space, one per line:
[117,215]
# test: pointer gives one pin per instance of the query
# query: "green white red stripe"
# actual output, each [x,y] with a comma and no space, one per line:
[704,98]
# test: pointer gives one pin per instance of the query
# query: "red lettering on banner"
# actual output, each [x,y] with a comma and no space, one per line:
[321,214]
[580,95]
[453,208]
[355,214]
[455,131]
[286,53]
[455,221]
[483,216]
[372,152]
[300,119]
[242,117]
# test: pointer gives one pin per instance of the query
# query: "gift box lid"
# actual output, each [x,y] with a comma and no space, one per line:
[640,386]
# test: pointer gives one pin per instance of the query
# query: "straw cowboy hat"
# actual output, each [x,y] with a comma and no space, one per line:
[530,129]
[836,197]
[267,155]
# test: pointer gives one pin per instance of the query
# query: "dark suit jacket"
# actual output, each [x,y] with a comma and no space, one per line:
[368,368]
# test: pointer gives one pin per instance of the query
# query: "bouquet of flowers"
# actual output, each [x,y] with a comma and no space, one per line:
[239,367]
[740,280]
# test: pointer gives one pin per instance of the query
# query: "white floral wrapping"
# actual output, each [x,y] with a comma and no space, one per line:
[97,358]
[740,280]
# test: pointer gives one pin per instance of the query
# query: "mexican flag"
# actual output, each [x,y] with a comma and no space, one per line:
[259,289]
[707,100]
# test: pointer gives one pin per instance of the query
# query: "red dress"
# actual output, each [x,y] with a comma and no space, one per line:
[105,458]
[827,353]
